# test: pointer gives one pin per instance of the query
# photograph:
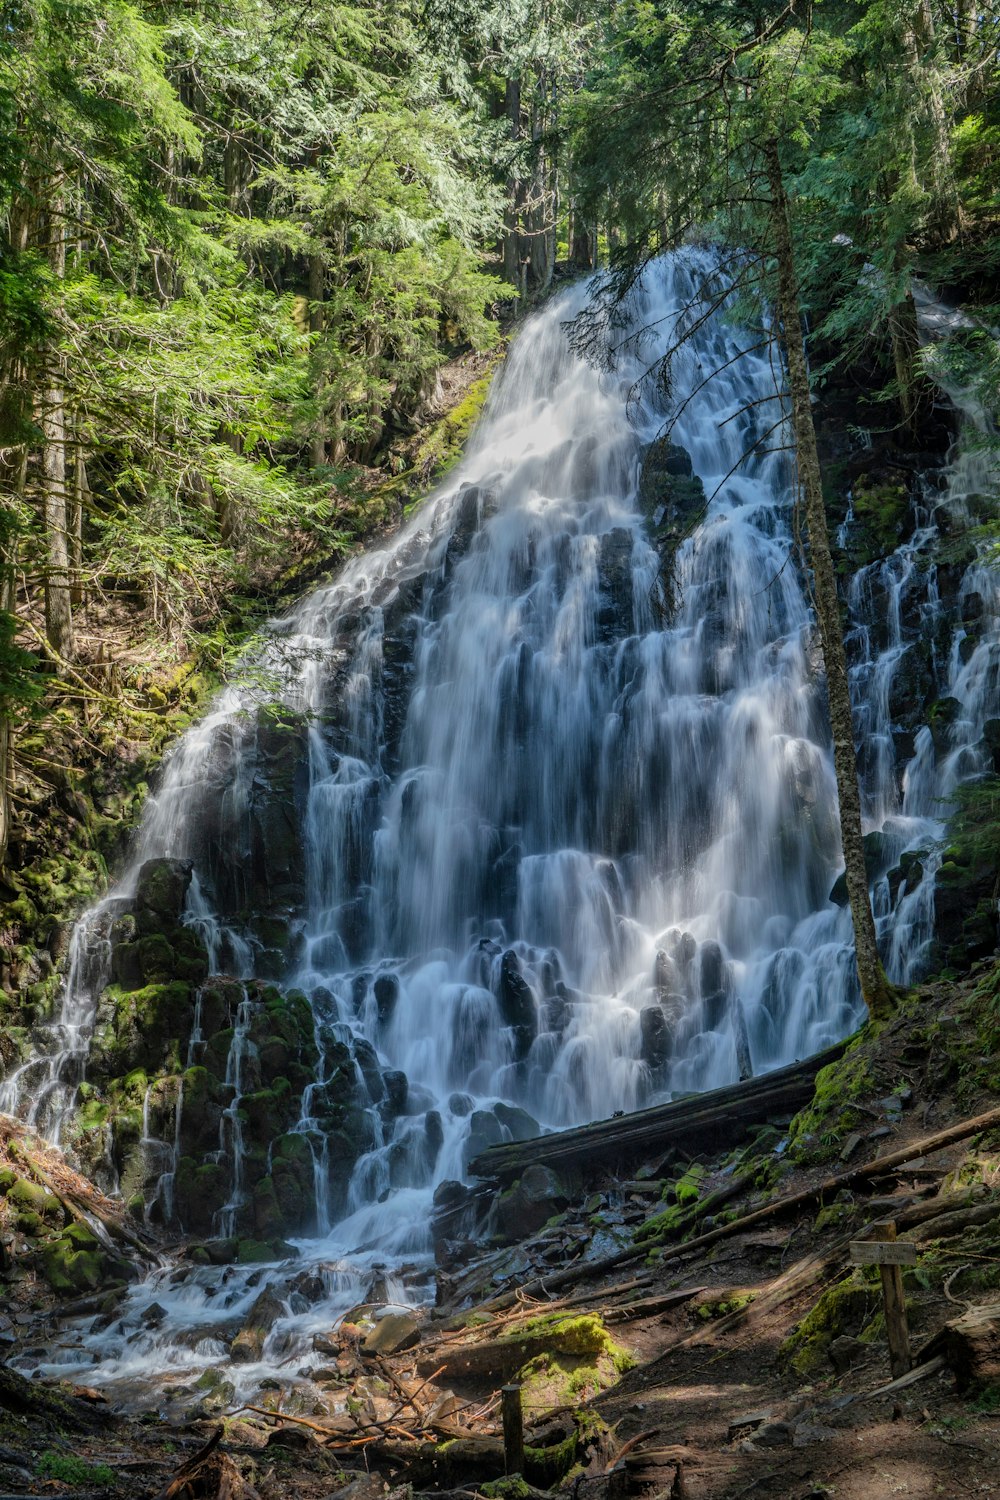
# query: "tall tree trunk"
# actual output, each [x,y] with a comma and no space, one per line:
[875,987]
[317,288]
[74,525]
[515,191]
[58,605]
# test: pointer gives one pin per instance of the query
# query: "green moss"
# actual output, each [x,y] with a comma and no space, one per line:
[816,1132]
[577,1360]
[69,1469]
[721,1307]
[846,1308]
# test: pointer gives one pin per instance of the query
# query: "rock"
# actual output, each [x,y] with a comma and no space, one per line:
[517,1004]
[711,968]
[386,991]
[484,1131]
[534,1199]
[160,892]
[461,1105]
[522,1126]
[846,1351]
[615,619]
[248,1345]
[657,1037]
[396,1085]
[391,1334]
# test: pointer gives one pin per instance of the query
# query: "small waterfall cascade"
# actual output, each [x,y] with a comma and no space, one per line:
[522,849]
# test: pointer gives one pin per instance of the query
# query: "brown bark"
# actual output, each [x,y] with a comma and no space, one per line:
[58,605]
[875,987]
[317,288]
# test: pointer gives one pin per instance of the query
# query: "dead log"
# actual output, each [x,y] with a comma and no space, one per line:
[970,1345]
[830,1186]
[648,1307]
[495,1360]
[702,1123]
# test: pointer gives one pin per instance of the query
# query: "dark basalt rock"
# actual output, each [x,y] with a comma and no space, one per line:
[616,616]
[657,1038]
[517,1004]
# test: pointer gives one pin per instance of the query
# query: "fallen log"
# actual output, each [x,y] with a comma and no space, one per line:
[809,1197]
[970,1346]
[497,1359]
[648,1307]
[702,1122]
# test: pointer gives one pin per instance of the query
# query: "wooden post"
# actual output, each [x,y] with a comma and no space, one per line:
[513,1429]
[890,1263]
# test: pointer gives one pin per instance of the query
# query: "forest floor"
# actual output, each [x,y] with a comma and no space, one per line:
[754,1365]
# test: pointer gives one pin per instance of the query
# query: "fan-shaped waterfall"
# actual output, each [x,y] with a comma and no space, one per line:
[537,852]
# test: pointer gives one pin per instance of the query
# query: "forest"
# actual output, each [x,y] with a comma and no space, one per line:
[499,749]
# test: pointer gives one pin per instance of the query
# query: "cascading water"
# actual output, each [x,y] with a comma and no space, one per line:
[562,856]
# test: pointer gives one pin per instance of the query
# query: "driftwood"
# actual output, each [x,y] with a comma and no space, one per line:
[208,1475]
[970,1346]
[703,1122]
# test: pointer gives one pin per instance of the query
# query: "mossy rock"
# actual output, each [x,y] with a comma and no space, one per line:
[29,1197]
[843,1309]
[74,1262]
[200,1191]
[157,964]
[577,1359]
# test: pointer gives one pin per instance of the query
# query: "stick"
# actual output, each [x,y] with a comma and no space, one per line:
[185,1471]
[411,1400]
[634,1442]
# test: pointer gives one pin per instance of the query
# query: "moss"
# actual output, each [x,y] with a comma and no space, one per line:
[721,1307]
[846,1308]
[31,1198]
[74,1262]
[578,1359]
[511,1487]
[816,1132]
[67,1468]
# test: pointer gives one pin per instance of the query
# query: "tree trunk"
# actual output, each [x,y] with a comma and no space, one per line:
[515,191]
[317,287]
[875,988]
[58,606]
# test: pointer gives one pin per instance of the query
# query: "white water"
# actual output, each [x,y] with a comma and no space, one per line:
[643,814]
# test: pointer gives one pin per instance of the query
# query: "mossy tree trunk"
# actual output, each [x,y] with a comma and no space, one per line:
[875,987]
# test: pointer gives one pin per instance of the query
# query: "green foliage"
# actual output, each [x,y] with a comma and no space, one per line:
[68,1468]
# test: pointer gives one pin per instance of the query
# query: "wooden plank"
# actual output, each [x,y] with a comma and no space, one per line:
[883,1253]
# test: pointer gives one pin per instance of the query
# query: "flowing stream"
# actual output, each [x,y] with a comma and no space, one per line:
[564,854]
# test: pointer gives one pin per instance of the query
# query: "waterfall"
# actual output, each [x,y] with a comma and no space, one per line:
[554,851]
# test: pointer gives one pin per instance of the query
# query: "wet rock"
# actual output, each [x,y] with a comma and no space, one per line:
[386,991]
[671,495]
[517,1004]
[367,1060]
[484,1131]
[615,618]
[711,968]
[657,1038]
[248,1345]
[522,1126]
[991,738]
[396,1086]
[461,1105]
[392,1334]
[160,892]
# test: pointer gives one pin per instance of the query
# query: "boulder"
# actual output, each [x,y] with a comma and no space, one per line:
[392,1334]
[248,1345]
[517,1004]
[522,1126]
[160,892]
[657,1038]
[484,1131]
[531,1202]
